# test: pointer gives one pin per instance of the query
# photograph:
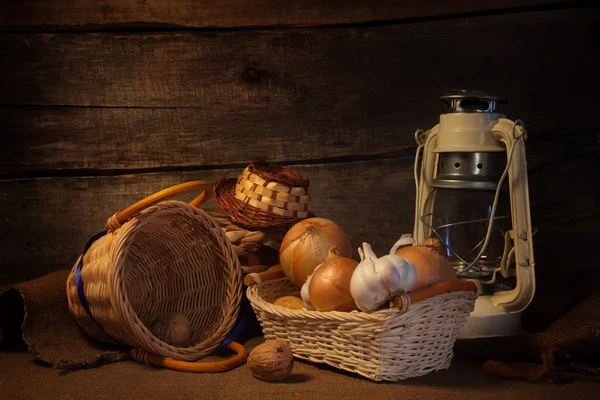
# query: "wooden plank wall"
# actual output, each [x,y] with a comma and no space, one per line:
[104,103]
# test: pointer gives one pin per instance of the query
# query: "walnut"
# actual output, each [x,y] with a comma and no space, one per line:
[271,361]
[174,329]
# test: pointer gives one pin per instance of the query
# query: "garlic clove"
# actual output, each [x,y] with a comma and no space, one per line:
[366,289]
[304,291]
[404,275]
[405,240]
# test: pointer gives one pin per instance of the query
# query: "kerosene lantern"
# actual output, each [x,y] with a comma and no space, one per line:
[472,194]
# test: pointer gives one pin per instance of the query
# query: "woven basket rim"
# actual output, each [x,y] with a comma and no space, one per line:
[252,292]
[143,218]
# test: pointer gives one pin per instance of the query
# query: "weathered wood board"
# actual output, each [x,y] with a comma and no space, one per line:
[73,14]
[349,72]
[207,99]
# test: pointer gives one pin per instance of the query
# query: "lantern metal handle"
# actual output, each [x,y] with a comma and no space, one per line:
[422,175]
[513,135]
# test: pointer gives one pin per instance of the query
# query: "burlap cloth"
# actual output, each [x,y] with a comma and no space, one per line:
[36,312]
[34,315]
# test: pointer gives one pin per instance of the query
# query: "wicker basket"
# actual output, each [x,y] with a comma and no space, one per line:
[265,196]
[388,344]
[166,257]
[257,250]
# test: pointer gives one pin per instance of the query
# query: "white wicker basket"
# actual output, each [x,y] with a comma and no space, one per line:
[388,344]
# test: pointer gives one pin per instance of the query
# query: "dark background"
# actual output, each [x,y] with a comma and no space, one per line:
[104,103]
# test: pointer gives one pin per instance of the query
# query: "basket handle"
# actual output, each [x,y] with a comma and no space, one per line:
[115,221]
[258,278]
[402,302]
[241,354]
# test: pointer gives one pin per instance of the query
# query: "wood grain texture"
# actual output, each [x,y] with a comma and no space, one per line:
[46,221]
[54,138]
[49,139]
[295,95]
[563,178]
[233,13]
[343,72]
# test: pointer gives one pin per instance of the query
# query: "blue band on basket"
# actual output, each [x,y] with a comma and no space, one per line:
[79,284]
[243,323]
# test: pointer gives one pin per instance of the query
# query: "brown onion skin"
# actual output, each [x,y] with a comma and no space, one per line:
[298,264]
[329,288]
[431,265]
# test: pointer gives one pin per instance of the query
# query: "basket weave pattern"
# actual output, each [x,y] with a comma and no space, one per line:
[265,196]
[272,196]
[248,244]
[384,345]
[171,257]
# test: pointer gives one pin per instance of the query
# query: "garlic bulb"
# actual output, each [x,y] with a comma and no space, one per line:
[376,281]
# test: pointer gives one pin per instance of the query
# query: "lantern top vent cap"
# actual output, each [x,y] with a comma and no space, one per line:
[471,101]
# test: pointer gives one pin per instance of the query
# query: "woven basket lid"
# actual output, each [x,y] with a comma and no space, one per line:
[265,196]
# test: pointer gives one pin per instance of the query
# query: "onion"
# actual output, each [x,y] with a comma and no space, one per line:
[329,286]
[291,302]
[429,261]
[306,244]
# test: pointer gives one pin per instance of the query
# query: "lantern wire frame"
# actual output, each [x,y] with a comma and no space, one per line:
[519,135]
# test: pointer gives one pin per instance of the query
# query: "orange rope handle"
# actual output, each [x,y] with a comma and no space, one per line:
[434,290]
[258,278]
[117,219]
[185,366]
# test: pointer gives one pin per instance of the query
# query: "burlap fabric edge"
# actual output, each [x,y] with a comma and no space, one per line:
[39,311]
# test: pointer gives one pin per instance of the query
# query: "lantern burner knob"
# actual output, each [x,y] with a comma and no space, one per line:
[471,101]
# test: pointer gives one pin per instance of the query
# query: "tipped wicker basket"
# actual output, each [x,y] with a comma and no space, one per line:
[390,344]
[157,258]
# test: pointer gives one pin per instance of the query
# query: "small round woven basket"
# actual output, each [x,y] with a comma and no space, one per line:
[158,258]
[265,196]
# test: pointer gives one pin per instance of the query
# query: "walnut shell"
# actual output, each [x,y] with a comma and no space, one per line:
[271,361]
[173,328]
